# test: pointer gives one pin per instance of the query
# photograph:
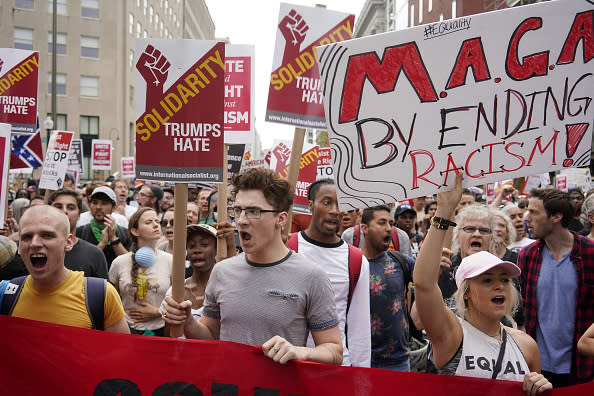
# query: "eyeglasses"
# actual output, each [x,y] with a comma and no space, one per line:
[481,230]
[251,213]
[146,195]
[164,223]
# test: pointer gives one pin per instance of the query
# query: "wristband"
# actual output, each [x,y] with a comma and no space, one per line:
[442,224]
[116,241]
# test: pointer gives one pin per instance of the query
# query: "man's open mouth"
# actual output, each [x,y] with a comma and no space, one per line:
[38,260]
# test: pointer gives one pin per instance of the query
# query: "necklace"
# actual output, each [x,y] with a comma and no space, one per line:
[198,299]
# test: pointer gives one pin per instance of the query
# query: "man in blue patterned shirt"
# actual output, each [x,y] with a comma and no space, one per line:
[389,275]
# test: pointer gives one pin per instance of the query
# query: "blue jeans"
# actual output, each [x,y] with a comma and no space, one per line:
[404,365]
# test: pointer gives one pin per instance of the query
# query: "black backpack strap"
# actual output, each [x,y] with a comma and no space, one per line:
[403,261]
[499,362]
[95,298]
[11,294]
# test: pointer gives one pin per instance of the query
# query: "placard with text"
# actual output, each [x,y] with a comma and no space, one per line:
[101,154]
[180,92]
[495,96]
[56,160]
[239,93]
[295,90]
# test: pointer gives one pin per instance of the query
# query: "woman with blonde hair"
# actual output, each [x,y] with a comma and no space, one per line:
[143,279]
[473,342]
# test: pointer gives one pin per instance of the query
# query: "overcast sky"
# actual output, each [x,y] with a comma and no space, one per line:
[255,22]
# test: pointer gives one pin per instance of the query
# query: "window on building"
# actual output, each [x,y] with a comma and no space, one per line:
[89,86]
[89,8]
[138,29]
[23,38]
[151,14]
[166,32]
[144,6]
[131,59]
[60,83]
[26,4]
[61,7]
[89,130]
[412,15]
[429,5]
[156,20]
[131,23]
[131,95]
[89,47]
[60,43]
[420,11]
[144,34]
[453,9]
[161,28]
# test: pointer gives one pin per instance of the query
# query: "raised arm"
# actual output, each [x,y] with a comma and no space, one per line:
[440,323]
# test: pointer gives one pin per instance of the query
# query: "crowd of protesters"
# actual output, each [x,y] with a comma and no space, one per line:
[445,284]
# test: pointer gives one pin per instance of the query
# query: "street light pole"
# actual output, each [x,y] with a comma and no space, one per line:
[54,63]
[48,124]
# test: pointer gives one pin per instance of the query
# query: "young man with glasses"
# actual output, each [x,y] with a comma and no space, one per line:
[268,295]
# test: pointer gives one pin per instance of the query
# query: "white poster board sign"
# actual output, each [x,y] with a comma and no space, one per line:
[128,170]
[56,160]
[239,93]
[495,96]
[101,154]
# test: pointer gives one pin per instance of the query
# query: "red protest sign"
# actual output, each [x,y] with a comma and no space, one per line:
[295,92]
[99,364]
[179,129]
[101,154]
[18,89]
[239,93]
[128,167]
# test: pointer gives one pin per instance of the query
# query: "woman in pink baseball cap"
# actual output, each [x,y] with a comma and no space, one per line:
[472,342]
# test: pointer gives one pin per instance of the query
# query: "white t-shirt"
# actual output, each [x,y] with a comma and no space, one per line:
[334,260]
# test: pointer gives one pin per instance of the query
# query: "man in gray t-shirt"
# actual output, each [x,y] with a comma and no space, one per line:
[267,295]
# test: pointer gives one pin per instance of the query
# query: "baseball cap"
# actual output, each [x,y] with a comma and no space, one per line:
[204,228]
[481,262]
[404,208]
[105,191]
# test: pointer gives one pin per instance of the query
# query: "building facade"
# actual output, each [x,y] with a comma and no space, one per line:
[95,74]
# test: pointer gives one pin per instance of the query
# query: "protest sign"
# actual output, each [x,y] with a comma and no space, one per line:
[18,89]
[234,157]
[495,96]
[75,160]
[4,166]
[490,193]
[239,93]
[128,170]
[325,170]
[101,154]
[295,92]
[561,182]
[56,160]
[179,107]
[26,152]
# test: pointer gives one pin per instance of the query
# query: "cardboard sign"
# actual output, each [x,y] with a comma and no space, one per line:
[308,169]
[75,161]
[239,93]
[74,173]
[179,106]
[56,160]
[295,91]
[19,70]
[490,193]
[178,370]
[234,158]
[561,182]
[4,166]
[496,96]
[101,154]
[128,170]
[325,170]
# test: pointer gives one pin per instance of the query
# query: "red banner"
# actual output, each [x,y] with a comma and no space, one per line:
[48,359]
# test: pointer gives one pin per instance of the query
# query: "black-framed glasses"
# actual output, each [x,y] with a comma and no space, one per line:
[251,213]
[481,230]
[164,223]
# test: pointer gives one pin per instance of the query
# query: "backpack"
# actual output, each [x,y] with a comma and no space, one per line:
[94,297]
[357,237]
[355,261]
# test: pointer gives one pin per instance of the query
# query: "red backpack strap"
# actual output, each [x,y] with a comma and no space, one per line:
[355,261]
[356,235]
[395,241]
[292,242]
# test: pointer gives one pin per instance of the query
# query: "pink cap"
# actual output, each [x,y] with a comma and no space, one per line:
[481,262]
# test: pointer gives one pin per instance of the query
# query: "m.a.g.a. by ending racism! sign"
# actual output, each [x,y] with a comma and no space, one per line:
[495,96]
